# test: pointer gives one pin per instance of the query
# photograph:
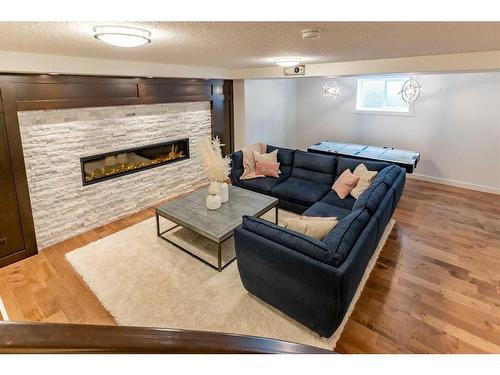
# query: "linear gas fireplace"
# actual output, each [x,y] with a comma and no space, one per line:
[102,167]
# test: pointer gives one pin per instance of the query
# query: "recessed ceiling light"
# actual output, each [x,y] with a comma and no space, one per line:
[122,36]
[311,34]
[287,61]
[53,74]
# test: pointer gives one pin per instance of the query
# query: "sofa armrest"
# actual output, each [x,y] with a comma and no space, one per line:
[397,188]
[236,167]
[237,160]
[302,287]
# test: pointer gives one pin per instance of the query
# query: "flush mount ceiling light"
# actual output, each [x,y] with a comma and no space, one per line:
[332,90]
[287,62]
[122,36]
[410,90]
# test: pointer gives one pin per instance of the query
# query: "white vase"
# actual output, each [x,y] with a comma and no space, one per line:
[224,192]
[214,188]
[213,199]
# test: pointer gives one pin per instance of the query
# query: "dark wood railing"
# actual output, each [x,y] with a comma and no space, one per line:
[24,337]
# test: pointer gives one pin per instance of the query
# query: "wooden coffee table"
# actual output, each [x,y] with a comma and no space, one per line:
[218,226]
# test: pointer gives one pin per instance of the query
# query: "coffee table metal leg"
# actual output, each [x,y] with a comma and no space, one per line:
[276,214]
[219,266]
[157,225]
[219,256]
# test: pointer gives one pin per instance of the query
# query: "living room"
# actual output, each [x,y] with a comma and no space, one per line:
[244,186]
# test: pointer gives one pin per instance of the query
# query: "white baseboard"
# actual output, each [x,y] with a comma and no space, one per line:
[460,184]
[3,311]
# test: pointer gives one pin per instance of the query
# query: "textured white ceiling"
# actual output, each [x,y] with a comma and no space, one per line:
[255,44]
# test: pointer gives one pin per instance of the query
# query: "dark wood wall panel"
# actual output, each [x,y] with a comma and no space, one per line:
[11,233]
[176,90]
[8,93]
[34,92]
[74,103]
[222,111]
[51,91]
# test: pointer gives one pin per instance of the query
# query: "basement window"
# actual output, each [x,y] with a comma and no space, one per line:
[381,95]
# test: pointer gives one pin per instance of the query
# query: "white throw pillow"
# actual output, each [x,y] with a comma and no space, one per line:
[365,180]
[315,227]
[271,157]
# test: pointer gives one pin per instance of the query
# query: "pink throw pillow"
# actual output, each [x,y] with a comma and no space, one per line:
[267,168]
[345,183]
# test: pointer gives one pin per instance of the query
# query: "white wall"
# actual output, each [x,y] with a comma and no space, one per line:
[239,113]
[455,123]
[268,114]
[19,62]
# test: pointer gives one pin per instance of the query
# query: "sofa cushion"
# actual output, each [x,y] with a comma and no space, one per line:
[314,167]
[388,175]
[285,158]
[326,210]
[235,175]
[262,184]
[333,199]
[285,155]
[293,240]
[351,163]
[342,238]
[383,213]
[300,191]
[371,197]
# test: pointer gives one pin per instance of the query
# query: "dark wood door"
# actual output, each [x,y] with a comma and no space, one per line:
[221,124]
[11,234]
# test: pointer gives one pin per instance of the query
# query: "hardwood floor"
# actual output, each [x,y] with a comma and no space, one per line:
[436,285]
[434,289]
[46,288]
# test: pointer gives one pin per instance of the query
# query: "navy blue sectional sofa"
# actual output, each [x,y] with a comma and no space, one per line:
[310,280]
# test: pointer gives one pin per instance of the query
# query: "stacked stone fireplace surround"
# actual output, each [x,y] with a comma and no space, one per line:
[55,140]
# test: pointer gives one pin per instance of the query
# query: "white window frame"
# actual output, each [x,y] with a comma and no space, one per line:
[382,111]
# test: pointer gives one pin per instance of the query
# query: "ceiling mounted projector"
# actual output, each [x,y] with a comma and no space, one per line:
[311,34]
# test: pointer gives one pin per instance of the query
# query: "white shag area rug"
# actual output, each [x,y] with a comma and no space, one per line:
[144,281]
